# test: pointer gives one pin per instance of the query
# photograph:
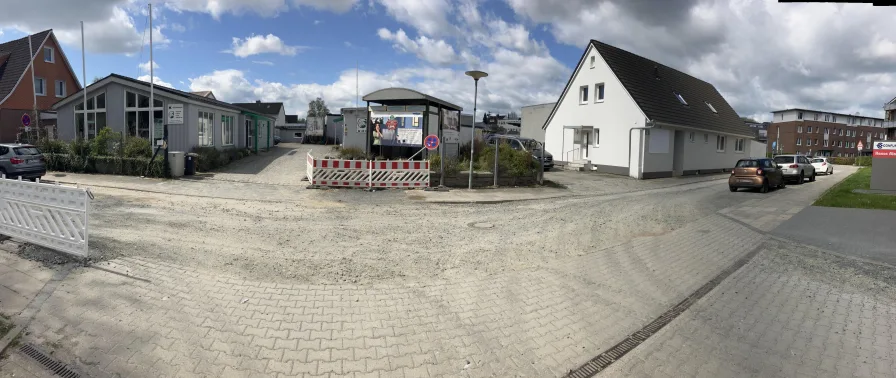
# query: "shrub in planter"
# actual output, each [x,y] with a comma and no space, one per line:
[352,153]
[209,158]
[136,147]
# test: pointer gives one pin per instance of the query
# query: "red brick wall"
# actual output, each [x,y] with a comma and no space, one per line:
[790,132]
[22,96]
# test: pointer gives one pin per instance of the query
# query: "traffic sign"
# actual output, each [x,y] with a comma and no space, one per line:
[26,120]
[431,142]
[860,146]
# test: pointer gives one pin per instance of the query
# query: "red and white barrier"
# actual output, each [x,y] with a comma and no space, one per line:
[367,174]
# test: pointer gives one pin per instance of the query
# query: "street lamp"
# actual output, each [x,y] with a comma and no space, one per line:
[476,75]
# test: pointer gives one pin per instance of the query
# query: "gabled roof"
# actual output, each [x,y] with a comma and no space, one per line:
[653,87]
[16,64]
[405,96]
[158,88]
[208,94]
[269,108]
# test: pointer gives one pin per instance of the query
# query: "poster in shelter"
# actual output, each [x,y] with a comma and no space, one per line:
[397,129]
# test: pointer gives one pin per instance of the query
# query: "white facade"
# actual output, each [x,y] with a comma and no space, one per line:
[813,115]
[533,119]
[612,135]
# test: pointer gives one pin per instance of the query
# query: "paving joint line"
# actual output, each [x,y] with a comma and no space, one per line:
[27,315]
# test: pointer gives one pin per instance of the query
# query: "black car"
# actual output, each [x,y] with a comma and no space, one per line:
[276,140]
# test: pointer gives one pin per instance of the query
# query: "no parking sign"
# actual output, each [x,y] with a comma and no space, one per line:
[431,142]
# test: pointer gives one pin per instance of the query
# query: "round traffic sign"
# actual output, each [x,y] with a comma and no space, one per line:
[26,120]
[431,142]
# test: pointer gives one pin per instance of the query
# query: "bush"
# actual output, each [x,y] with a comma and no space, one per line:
[352,153]
[136,147]
[52,146]
[863,161]
[464,151]
[105,165]
[79,147]
[452,164]
[209,158]
[512,163]
[105,143]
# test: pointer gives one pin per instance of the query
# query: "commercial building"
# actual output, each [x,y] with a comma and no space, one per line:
[533,119]
[823,133]
[293,131]
[123,105]
[625,114]
[33,92]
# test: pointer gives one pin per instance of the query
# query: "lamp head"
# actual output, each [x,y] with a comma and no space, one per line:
[476,75]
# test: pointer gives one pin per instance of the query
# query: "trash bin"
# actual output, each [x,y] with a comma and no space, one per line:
[190,164]
[176,163]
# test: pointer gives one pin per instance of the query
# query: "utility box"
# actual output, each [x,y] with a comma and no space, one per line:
[883,165]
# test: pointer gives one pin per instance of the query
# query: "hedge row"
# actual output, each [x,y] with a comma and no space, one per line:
[863,161]
[211,158]
[113,165]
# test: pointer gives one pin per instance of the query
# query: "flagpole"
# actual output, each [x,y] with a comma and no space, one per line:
[84,75]
[152,103]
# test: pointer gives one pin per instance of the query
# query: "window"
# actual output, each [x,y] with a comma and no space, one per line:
[720,143]
[49,55]
[815,117]
[825,143]
[706,138]
[826,131]
[799,129]
[841,132]
[40,86]
[816,141]
[206,133]
[583,94]
[799,115]
[592,61]
[227,130]
[799,141]
[137,115]
[596,138]
[808,129]
[296,135]
[692,136]
[60,88]
[680,99]
[839,143]
[94,118]
[839,154]
[781,117]
[861,133]
[833,118]
[739,145]
[827,117]
[713,109]
[599,90]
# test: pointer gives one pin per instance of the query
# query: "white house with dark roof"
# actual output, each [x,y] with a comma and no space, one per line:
[625,114]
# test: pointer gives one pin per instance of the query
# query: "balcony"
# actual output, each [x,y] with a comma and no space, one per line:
[889,123]
[890,106]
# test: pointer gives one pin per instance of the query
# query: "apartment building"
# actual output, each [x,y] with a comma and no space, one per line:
[821,133]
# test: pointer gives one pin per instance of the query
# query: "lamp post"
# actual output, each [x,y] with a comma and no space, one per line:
[476,75]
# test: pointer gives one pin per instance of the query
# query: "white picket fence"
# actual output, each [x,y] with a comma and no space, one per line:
[367,174]
[50,215]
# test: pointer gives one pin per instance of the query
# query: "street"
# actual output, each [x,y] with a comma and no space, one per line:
[245,272]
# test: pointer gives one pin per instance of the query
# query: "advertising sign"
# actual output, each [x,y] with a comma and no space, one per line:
[886,150]
[175,114]
[314,126]
[397,129]
[450,128]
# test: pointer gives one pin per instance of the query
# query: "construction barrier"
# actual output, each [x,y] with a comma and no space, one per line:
[367,174]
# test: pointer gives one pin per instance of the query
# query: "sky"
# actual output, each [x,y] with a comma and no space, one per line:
[761,55]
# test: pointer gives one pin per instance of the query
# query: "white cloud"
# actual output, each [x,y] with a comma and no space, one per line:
[144,67]
[430,50]
[264,8]
[155,81]
[317,22]
[429,17]
[258,44]
[263,62]
[177,27]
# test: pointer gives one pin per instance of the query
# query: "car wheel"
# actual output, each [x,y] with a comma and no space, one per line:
[764,188]
[830,171]
[782,184]
[812,178]
[732,188]
[799,180]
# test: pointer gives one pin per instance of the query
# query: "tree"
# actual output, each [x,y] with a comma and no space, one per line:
[318,108]
[95,79]
[748,120]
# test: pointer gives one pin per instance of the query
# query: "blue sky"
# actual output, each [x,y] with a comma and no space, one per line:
[761,55]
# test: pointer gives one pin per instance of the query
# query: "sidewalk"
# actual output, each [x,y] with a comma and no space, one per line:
[21,280]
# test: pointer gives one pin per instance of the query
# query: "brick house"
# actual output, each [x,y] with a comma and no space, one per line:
[820,133]
[54,79]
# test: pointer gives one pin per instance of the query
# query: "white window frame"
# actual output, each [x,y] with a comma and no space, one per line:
[826,143]
[705,138]
[721,141]
[599,92]
[205,123]
[137,109]
[833,118]
[799,129]
[799,141]
[52,54]
[56,88]
[816,141]
[739,145]
[596,138]
[827,118]
[799,115]
[711,107]
[583,95]
[96,109]
[43,86]
[692,136]
[593,60]
[680,98]
[227,122]
[808,129]
[815,116]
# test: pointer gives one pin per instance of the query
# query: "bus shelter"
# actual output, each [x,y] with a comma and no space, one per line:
[398,119]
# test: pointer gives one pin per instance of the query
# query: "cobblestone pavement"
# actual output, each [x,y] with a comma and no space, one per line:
[22,280]
[141,317]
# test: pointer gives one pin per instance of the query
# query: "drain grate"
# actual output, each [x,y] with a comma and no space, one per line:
[56,367]
[603,360]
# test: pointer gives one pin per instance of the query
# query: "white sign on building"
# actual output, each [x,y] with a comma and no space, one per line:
[175,114]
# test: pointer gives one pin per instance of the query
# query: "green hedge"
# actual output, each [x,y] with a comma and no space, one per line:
[862,161]
[211,158]
[113,165]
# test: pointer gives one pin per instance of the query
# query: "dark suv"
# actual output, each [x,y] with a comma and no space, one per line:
[22,160]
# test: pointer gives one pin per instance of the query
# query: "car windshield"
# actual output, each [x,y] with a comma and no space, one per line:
[784,159]
[818,160]
[530,144]
[26,151]
[747,164]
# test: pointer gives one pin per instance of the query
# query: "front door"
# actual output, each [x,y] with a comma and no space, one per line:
[678,154]
[586,140]
[249,134]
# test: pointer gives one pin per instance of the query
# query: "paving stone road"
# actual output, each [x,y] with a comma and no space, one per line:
[158,319]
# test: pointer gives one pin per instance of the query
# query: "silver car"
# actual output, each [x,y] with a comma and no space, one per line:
[795,167]
[22,160]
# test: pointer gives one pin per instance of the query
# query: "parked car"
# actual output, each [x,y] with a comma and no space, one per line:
[757,173]
[823,165]
[276,140]
[532,146]
[22,160]
[796,167]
